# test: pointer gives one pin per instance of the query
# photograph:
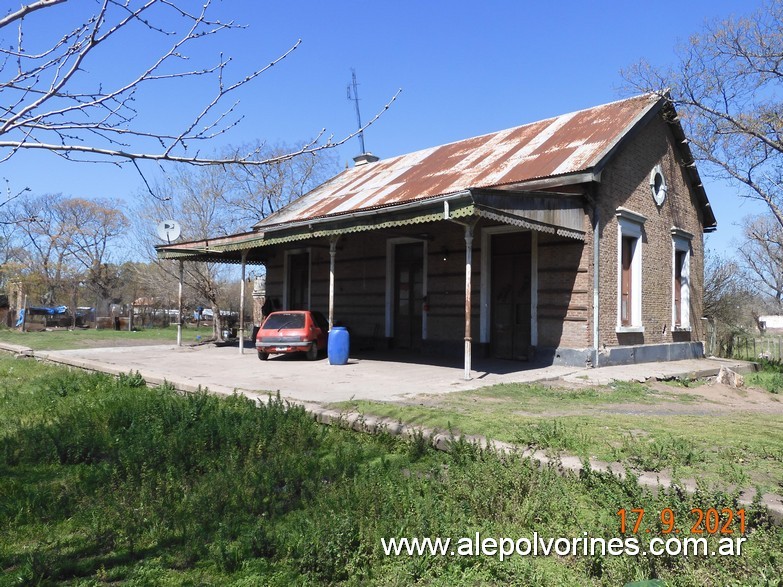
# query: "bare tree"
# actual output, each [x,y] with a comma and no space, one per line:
[44,247]
[65,241]
[727,86]
[93,226]
[52,101]
[196,199]
[724,288]
[762,252]
[216,201]
[257,192]
[730,303]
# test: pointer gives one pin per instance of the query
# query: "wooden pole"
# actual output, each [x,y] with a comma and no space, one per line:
[242,305]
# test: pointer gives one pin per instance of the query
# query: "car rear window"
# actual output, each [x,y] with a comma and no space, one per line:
[279,321]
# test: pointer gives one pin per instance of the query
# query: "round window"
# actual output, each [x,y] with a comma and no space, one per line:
[658,185]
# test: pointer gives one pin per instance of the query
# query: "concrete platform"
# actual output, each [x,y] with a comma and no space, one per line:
[382,376]
[372,376]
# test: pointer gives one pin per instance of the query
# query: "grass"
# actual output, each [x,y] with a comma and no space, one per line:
[55,340]
[107,481]
[719,449]
[769,376]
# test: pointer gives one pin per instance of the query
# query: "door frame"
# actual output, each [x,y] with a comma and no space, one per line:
[286,268]
[391,245]
[485,313]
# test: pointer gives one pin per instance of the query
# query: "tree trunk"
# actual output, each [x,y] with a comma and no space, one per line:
[217,322]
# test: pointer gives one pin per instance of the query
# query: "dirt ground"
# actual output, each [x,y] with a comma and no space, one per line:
[720,398]
[708,398]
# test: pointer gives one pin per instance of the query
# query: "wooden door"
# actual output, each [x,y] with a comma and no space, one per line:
[299,281]
[510,296]
[408,295]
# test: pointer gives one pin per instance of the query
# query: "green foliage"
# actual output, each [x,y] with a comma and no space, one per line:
[610,423]
[104,480]
[554,434]
[769,376]
[659,453]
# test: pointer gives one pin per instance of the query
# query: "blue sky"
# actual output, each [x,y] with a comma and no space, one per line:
[466,68]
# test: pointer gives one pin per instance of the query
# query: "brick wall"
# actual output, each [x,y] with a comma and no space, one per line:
[564,298]
[360,280]
[626,183]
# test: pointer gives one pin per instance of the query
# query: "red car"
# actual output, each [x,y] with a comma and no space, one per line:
[292,331]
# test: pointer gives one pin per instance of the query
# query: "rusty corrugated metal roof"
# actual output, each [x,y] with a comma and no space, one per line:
[564,145]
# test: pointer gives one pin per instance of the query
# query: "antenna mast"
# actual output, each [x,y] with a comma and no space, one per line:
[353,94]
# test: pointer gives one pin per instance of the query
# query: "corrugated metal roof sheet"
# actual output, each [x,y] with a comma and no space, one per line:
[567,144]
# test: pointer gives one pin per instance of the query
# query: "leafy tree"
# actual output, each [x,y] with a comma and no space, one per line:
[727,86]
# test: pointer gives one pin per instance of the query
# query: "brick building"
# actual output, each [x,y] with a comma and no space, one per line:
[575,240]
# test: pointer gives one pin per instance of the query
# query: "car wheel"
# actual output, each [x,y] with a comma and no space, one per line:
[262,356]
[312,352]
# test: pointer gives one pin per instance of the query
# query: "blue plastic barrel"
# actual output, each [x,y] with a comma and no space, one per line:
[339,344]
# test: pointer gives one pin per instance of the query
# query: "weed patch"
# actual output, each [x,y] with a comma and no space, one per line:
[769,376]
[555,434]
[106,481]
[656,454]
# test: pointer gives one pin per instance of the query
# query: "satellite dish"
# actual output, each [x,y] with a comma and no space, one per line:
[169,230]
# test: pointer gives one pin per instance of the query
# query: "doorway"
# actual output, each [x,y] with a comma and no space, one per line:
[299,281]
[511,295]
[408,295]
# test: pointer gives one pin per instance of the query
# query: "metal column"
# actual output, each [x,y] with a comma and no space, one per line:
[468,301]
[242,305]
[332,255]
[179,302]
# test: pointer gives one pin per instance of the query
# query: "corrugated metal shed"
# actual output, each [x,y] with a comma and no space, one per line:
[560,146]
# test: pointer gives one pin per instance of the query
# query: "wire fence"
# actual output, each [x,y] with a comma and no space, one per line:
[752,348]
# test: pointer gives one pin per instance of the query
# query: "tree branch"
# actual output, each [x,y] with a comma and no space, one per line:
[27,9]
[48,104]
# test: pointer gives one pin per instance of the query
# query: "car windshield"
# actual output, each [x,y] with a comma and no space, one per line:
[283,320]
